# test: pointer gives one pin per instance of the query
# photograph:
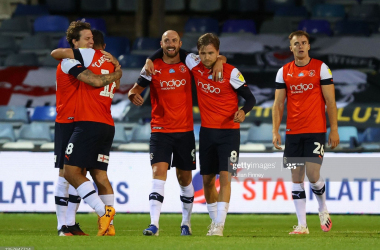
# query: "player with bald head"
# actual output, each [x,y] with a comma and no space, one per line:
[172,142]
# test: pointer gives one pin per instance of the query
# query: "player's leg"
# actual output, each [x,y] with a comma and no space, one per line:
[314,151]
[62,135]
[81,153]
[209,168]
[72,208]
[293,155]
[184,160]
[160,157]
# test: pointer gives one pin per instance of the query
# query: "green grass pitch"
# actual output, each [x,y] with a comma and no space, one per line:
[241,232]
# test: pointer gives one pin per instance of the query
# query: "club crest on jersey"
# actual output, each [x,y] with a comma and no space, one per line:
[312,73]
[171,71]
[182,68]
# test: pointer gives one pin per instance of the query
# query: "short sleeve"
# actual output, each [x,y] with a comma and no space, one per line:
[192,60]
[280,83]
[68,64]
[144,80]
[236,79]
[325,72]
[88,56]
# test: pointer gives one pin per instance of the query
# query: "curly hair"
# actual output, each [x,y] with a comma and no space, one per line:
[73,32]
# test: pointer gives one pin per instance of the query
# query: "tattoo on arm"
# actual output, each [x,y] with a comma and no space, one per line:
[97,80]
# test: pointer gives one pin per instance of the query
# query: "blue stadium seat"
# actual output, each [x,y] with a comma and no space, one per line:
[31,10]
[18,27]
[272,5]
[13,114]
[330,12]
[97,24]
[145,45]
[315,27]
[132,61]
[96,5]
[141,133]
[371,135]
[277,26]
[51,24]
[35,132]
[126,5]
[63,43]
[202,25]
[197,129]
[175,5]
[352,28]
[27,59]
[7,45]
[205,6]
[67,6]
[117,45]
[291,11]
[44,113]
[239,26]
[243,5]
[346,134]
[6,133]
[364,12]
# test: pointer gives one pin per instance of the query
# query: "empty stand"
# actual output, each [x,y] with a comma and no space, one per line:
[175,5]
[27,59]
[239,26]
[35,132]
[201,26]
[329,12]
[126,5]
[272,5]
[132,61]
[145,45]
[352,28]
[67,6]
[96,5]
[205,6]
[96,24]
[44,113]
[17,27]
[242,6]
[117,45]
[315,27]
[13,114]
[6,133]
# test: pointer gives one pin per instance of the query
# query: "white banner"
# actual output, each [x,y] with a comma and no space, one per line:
[27,182]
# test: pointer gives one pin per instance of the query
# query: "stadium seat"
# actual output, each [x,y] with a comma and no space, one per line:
[291,11]
[175,5]
[371,135]
[117,45]
[13,114]
[272,5]
[6,133]
[27,59]
[239,26]
[126,5]
[96,5]
[139,140]
[120,135]
[132,61]
[202,25]
[145,45]
[51,24]
[315,27]
[205,6]
[280,27]
[35,132]
[44,113]
[63,43]
[189,41]
[348,136]
[352,28]
[49,61]
[17,27]
[67,6]
[262,134]
[364,12]
[309,4]
[96,24]
[38,44]
[329,12]
[242,6]
[7,45]
[23,145]
[31,10]
[251,147]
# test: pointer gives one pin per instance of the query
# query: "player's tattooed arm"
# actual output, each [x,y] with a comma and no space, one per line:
[328,92]
[99,80]
[134,95]
[277,113]
[59,54]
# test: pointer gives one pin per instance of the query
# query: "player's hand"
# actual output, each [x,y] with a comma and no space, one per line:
[149,67]
[136,99]
[110,58]
[333,139]
[217,71]
[276,140]
[239,116]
